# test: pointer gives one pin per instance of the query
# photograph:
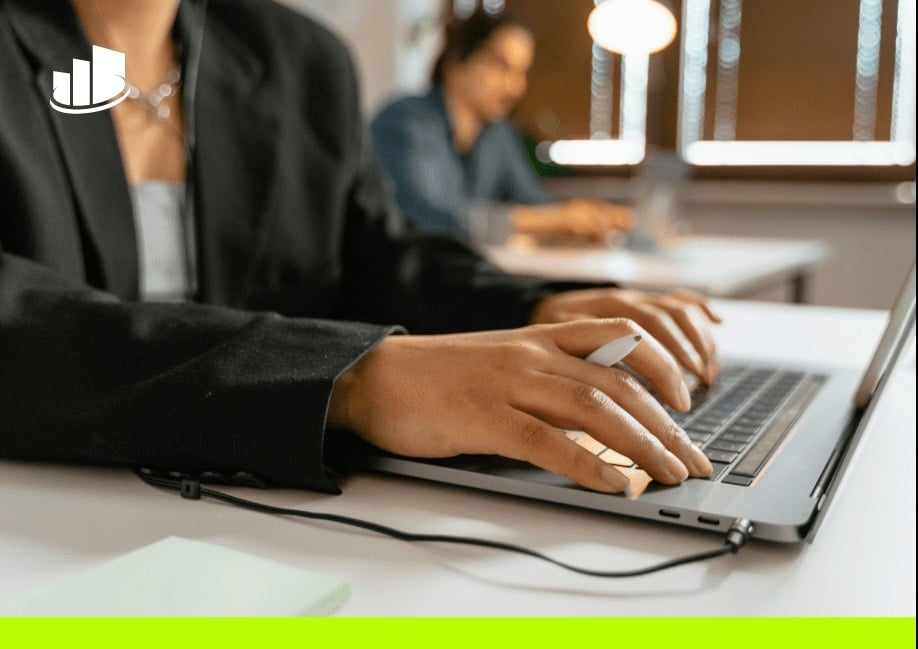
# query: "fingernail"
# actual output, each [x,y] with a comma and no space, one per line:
[684,396]
[700,464]
[709,375]
[675,468]
[715,368]
[700,368]
[615,479]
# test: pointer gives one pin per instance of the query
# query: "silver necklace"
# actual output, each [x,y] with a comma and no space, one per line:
[153,101]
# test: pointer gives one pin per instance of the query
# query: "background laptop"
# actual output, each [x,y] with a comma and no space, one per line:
[779,438]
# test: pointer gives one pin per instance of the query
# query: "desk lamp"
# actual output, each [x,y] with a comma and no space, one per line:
[640,28]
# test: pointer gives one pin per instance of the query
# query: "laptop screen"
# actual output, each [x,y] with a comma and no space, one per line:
[901,320]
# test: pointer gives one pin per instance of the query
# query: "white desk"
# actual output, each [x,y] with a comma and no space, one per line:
[58,520]
[716,266]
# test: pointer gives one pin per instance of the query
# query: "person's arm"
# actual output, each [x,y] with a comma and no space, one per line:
[505,392]
[176,387]
[532,209]
[523,185]
[429,284]
[424,187]
[428,181]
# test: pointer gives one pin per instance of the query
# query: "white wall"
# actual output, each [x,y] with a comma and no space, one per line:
[393,41]
[870,247]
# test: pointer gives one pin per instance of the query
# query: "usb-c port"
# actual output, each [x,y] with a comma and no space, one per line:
[708,521]
[669,513]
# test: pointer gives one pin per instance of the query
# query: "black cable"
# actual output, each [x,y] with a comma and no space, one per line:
[737,535]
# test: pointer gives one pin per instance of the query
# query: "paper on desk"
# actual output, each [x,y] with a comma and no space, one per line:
[178,577]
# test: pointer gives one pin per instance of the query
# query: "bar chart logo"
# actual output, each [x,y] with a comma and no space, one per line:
[91,87]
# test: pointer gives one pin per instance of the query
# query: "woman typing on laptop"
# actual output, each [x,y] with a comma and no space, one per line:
[210,276]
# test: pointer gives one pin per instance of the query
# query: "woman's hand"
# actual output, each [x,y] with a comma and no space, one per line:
[680,320]
[514,392]
[580,219]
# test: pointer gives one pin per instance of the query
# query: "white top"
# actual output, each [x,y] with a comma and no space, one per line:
[58,520]
[162,248]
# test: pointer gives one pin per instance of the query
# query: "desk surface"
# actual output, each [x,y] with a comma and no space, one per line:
[717,266]
[59,520]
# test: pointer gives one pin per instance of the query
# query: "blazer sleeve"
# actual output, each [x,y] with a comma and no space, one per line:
[428,283]
[177,387]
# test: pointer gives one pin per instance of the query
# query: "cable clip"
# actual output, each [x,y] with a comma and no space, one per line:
[190,489]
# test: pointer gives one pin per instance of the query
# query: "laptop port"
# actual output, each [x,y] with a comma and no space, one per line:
[669,513]
[708,521]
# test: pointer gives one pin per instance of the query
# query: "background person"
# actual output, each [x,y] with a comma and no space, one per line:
[458,164]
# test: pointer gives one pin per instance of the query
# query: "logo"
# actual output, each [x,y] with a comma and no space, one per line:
[91,87]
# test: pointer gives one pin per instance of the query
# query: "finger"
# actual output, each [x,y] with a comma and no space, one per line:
[649,358]
[659,323]
[628,393]
[698,300]
[715,367]
[532,440]
[569,316]
[689,319]
[573,405]
[653,319]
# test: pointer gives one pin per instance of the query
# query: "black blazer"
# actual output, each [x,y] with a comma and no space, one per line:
[304,264]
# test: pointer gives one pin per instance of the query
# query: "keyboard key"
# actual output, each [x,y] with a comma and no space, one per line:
[720,456]
[731,435]
[702,427]
[742,481]
[723,445]
[743,429]
[755,458]
[719,468]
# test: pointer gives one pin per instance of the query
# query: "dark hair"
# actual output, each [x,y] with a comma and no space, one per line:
[465,36]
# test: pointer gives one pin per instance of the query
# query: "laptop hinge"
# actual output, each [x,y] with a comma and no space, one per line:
[831,469]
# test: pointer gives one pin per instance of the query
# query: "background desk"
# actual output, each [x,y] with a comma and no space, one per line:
[55,521]
[716,266]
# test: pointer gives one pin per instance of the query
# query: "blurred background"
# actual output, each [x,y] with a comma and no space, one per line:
[785,119]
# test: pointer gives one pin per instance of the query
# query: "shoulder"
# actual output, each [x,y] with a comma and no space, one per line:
[419,111]
[279,35]
[506,131]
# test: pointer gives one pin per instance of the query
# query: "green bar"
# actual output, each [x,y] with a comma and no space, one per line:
[461,633]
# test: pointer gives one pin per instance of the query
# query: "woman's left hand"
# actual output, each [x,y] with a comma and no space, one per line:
[679,319]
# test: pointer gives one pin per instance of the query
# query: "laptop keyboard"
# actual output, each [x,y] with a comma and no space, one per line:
[738,422]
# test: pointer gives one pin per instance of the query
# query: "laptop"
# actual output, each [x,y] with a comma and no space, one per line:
[779,438]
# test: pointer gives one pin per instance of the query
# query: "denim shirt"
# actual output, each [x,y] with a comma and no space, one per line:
[465,195]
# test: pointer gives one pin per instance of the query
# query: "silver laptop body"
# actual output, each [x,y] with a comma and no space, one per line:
[818,425]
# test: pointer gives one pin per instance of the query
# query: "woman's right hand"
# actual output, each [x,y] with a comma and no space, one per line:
[576,219]
[514,392]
